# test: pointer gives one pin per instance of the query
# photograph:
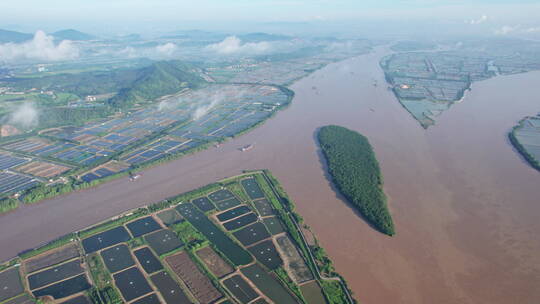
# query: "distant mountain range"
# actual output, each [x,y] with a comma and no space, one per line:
[11,36]
[71,34]
[18,37]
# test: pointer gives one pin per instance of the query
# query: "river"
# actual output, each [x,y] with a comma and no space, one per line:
[464,203]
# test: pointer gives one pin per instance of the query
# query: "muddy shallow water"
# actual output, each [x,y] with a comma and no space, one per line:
[464,203]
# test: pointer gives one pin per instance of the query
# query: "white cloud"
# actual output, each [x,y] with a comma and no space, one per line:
[233,45]
[167,49]
[532,30]
[506,29]
[41,47]
[25,115]
[161,51]
[482,19]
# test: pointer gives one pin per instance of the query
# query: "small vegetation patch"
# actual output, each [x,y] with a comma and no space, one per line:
[214,262]
[200,286]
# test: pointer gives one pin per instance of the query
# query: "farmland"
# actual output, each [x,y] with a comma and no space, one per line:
[428,83]
[190,257]
[74,157]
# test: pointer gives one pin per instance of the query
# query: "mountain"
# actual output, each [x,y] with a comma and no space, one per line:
[159,79]
[16,37]
[258,37]
[130,85]
[71,34]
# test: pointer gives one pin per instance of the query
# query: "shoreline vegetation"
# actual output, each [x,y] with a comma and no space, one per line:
[333,287]
[355,172]
[529,158]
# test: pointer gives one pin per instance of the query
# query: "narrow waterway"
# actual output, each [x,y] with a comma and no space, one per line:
[465,204]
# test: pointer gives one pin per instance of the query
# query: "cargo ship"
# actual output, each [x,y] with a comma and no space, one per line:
[246,148]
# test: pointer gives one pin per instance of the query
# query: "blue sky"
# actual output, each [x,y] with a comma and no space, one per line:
[136,15]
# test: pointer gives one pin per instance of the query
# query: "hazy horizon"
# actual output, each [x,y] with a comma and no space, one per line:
[368,18]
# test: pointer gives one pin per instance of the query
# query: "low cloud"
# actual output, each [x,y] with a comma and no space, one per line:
[41,47]
[516,29]
[233,45]
[532,30]
[25,116]
[480,20]
[167,49]
[506,29]
[162,51]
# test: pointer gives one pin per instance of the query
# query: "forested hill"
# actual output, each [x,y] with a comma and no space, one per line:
[159,79]
[355,172]
[128,85]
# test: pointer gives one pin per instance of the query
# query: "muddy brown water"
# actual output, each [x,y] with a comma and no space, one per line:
[464,203]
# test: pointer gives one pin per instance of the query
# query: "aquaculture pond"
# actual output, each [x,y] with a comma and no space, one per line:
[228,203]
[148,260]
[143,226]
[269,285]
[105,239]
[236,254]
[265,252]
[170,217]
[117,258]
[132,283]
[64,288]
[149,299]
[163,241]
[240,289]
[204,204]
[252,188]
[221,195]
[230,214]
[55,257]
[55,274]
[10,283]
[169,289]
[273,224]
[240,222]
[252,234]
[263,207]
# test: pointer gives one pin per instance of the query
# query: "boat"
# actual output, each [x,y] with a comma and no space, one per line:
[246,148]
